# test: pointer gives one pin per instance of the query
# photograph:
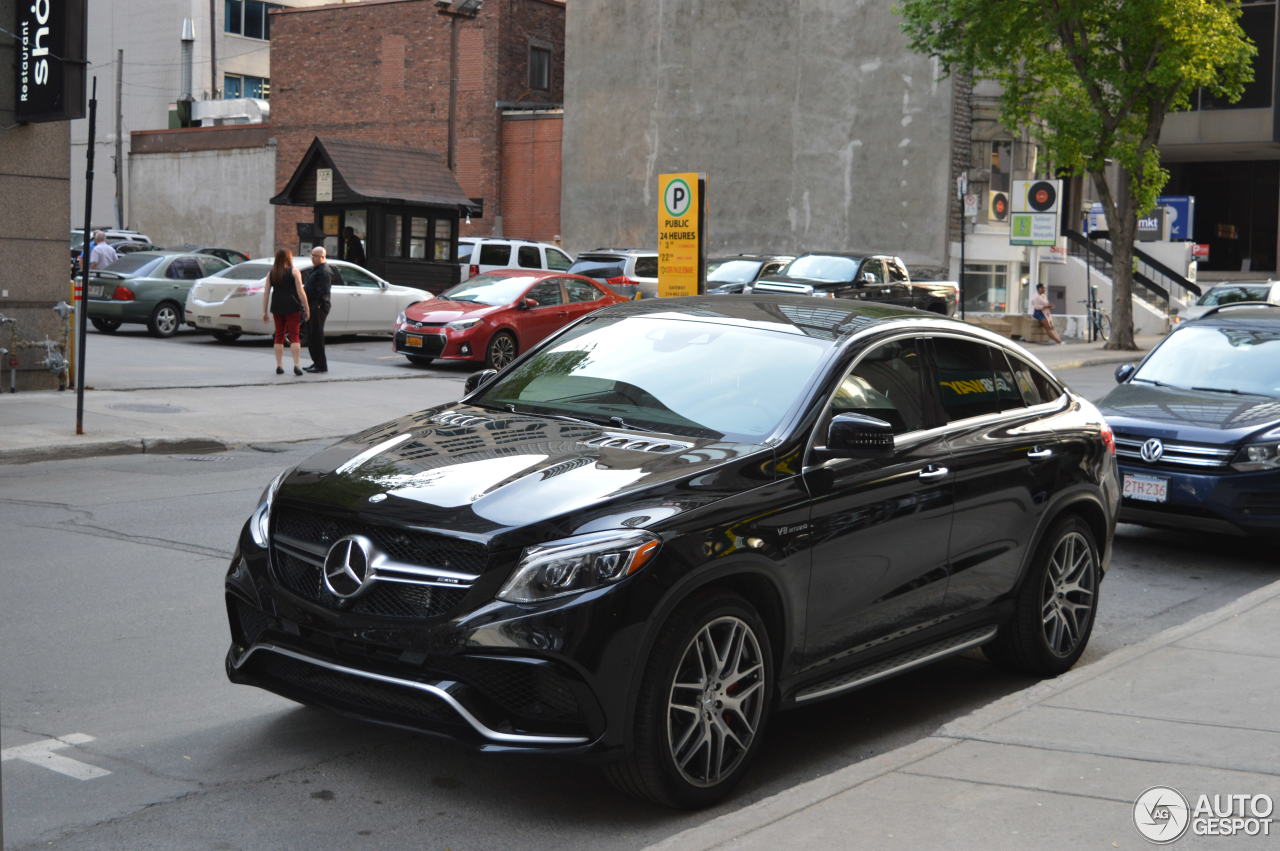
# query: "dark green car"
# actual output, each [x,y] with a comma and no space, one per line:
[147,287]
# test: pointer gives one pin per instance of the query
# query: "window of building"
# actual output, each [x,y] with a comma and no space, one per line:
[248,18]
[418,230]
[539,67]
[1001,164]
[986,287]
[418,237]
[1258,20]
[443,239]
[245,86]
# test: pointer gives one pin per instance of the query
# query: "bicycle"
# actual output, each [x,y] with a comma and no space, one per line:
[1097,320]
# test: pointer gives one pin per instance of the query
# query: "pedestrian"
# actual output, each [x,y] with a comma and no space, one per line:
[352,247]
[1042,310]
[320,280]
[101,255]
[285,301]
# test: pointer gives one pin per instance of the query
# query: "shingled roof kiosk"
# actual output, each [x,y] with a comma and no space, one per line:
[403,204]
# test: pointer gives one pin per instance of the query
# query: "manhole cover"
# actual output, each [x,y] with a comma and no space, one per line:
[144,408]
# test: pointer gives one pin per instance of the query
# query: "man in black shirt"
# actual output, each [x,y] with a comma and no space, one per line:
[318,282]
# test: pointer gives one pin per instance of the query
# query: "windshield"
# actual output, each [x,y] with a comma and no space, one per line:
[1234,293]
[667,374]
[1242,360]
[136,264]
[732,271]
[490,289]
[822,267]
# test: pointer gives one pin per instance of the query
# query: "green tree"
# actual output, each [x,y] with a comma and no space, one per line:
[1092,80]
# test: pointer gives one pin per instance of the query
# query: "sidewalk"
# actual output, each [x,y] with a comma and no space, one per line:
[1059,764]
[188,406]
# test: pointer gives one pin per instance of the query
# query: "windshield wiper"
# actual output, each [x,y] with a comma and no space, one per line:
[1230,390]
[1156,383]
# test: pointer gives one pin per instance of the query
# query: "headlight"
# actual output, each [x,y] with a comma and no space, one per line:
[573,565]
[1253,457]
[261,517]
[401,318]
[462,324]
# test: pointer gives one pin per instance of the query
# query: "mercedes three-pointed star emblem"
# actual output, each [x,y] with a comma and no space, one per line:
[346,566]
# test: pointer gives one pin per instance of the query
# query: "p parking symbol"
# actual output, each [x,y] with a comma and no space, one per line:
[677,198]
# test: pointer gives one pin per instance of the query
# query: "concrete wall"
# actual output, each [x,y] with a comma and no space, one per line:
[210,197]
[817,129]
[34,211]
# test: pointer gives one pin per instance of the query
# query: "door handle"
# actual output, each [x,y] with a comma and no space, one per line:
[932,472]
[1039,454]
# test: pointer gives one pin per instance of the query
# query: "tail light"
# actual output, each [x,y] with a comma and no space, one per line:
[620,281]
[123,293]
[473,270]
[1109,438]
[247,289]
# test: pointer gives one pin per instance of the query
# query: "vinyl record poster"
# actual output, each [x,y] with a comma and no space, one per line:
[1042,196]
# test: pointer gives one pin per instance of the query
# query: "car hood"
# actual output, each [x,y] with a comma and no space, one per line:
[473,472]
[1187,414]
[444,310]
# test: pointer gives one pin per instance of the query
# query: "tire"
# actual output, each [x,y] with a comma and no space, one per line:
[165,320]
[106,326]
[226,336]
[419,360]
[501,350]
[1056,605]
[696,730]
[1104,326]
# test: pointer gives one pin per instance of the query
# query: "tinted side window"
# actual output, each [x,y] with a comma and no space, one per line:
[1007,394]
[464,251]
[210,264]
[355,277]
[886,384]
[647,267]
[528,258]
[580,291]
[184,269]
[966,383]
[1035,386]
[873,267]
[546,293]
[494,254]
[557,260]
[897,272]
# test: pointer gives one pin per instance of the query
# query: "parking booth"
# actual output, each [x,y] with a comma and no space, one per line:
[389,208]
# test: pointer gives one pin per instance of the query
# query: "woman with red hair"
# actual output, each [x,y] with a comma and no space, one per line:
[286,301]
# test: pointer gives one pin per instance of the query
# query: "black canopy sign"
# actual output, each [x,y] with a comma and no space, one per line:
[51,60]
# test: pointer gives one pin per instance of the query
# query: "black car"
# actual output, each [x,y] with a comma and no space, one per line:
[228,254]
[732,274]
[1197,425]
[610,550]
[869,277]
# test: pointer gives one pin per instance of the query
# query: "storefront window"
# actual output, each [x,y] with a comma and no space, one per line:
[393,226]
[418,238]
[443,240]
[986,287]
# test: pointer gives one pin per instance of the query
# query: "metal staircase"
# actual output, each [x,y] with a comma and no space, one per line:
[1153,282]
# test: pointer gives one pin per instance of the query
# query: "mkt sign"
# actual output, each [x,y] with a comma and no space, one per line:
[681,207]
[50,38]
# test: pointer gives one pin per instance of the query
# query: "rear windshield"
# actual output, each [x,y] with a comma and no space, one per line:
[464,251]
[244,272]
[135,264]
[1234,293]
[600,268]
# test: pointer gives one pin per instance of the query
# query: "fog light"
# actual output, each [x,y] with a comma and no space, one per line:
[466,348]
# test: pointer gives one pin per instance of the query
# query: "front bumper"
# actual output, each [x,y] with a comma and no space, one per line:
[1229,503]
[431,343]
[443,661]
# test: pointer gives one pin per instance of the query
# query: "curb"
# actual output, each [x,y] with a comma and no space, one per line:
[726,830]
[95,449]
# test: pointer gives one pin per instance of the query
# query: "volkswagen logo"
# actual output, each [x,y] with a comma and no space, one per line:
[1152,450]
[346,566]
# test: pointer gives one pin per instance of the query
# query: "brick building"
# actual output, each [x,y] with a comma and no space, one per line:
[479,83]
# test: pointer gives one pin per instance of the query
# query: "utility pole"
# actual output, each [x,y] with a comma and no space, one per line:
[82,309]
[119,142]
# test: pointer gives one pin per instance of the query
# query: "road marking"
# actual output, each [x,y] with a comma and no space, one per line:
[42,753]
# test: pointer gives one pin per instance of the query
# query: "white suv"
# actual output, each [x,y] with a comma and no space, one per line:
[479,254]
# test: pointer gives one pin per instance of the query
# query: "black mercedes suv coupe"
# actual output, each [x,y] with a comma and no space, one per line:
[674,518]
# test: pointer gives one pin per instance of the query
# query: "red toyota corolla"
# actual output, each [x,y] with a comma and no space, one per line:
[495,316]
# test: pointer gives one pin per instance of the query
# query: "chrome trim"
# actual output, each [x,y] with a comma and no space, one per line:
[903,666]
[1175,454]
[436,691]
[381,567]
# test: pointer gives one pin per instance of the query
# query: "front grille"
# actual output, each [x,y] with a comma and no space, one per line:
[432,345]
[362,696]
[1175,456]
[298,568]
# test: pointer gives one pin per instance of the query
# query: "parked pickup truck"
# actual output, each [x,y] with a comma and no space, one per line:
[869,277]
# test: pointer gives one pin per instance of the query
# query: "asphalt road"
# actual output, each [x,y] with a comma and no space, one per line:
[113,626]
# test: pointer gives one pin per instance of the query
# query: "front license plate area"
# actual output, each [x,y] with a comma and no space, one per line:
[1145,488]
[413,341]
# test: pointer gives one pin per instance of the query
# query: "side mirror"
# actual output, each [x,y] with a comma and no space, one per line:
[475,379]
[1123,371]
[526,303]
[857,436]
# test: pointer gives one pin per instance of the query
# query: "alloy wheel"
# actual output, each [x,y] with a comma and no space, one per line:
[502,351]
[716,701]
[1068,598]
[165,321]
